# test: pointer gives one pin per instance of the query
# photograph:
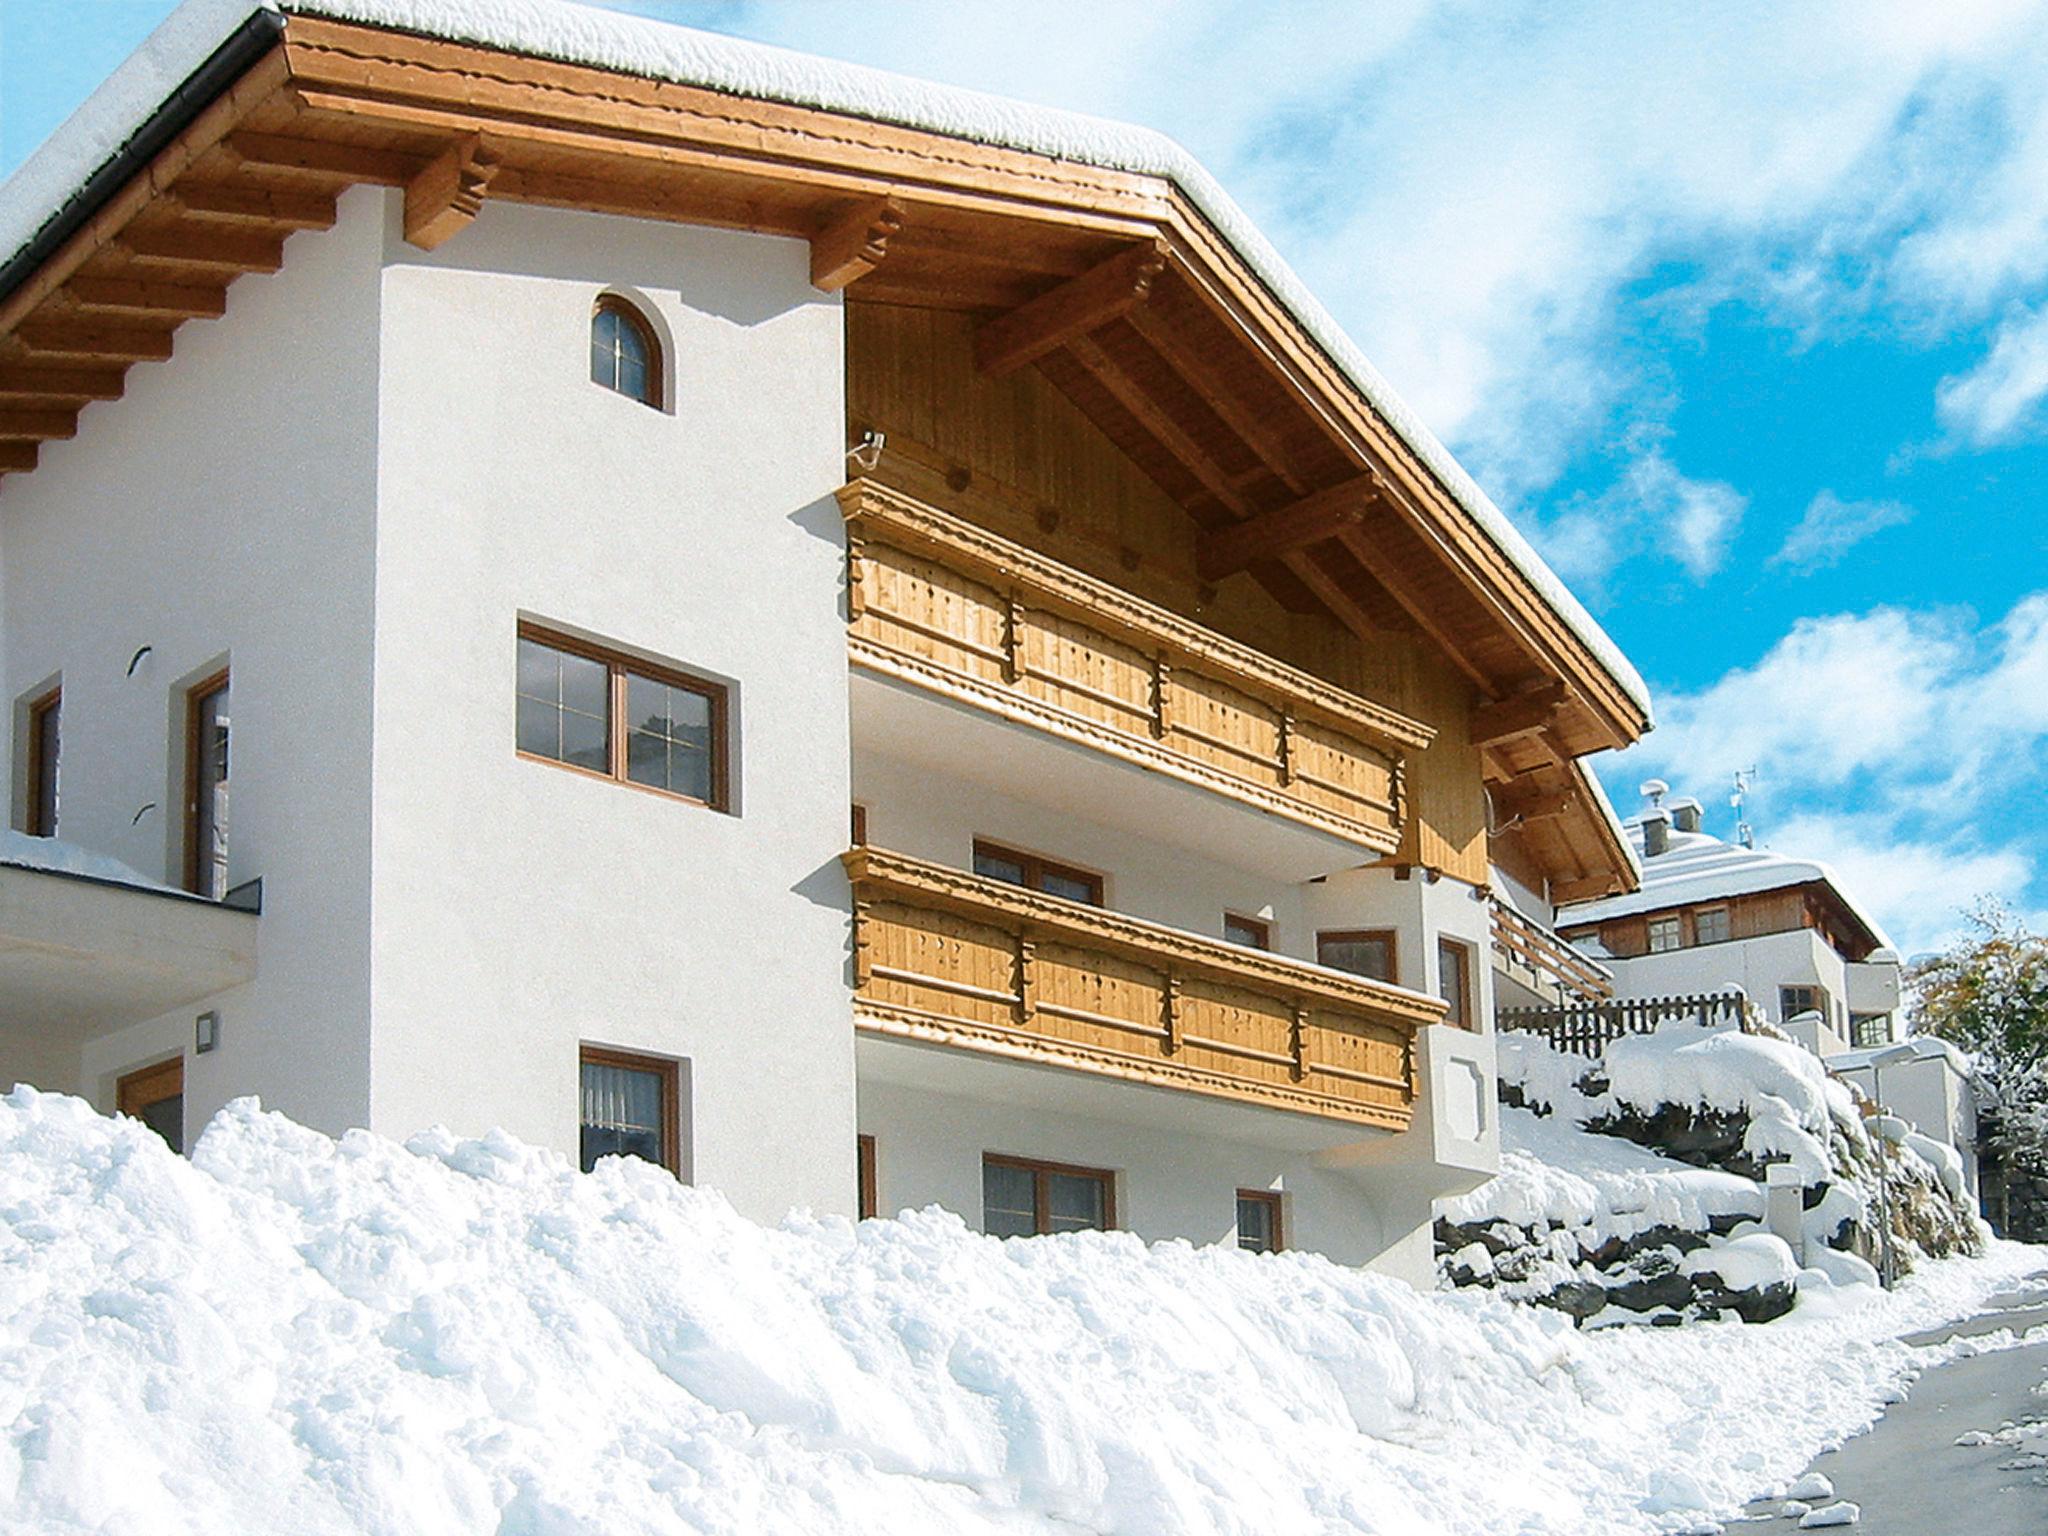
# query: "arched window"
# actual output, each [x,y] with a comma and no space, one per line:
[624,354]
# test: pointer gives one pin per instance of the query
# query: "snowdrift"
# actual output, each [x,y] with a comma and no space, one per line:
[1631,1184]
[292,1333]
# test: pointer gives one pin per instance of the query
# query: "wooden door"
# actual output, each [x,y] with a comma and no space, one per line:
[156,1097]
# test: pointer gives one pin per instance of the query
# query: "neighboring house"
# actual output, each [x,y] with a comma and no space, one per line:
[1710,915]
[1926,1081]
[641,453]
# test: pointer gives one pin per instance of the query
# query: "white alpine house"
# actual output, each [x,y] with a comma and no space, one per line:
[867,644]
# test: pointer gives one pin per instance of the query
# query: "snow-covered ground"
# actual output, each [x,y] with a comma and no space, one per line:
[293,1334]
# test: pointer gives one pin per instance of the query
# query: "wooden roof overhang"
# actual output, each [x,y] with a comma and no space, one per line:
[1559,817]
[1112,283]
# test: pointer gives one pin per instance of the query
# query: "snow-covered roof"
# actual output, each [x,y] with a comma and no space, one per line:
[576,34]
[1916,1048]
[1697,867]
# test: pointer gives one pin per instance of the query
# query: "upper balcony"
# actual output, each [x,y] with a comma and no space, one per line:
[1545,970]
[962,615]
[947,958]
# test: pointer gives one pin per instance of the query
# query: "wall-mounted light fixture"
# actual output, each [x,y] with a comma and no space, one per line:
[206,1031]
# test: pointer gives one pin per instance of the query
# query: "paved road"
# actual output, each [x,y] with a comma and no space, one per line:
[1908,1473]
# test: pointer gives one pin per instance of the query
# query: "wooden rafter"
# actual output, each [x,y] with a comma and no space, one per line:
[207,246]
[253,205]
[1069,312]
[448,193]
[1417,607]
[854,243]
[351,162]
[35,382]
[52,338]
[1224,551]
[17,458]
[180,301]
[37,425]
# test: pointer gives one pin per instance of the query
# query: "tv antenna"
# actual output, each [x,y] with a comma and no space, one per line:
[1738,797]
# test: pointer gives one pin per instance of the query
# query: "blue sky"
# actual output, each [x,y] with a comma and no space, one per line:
[1741,311]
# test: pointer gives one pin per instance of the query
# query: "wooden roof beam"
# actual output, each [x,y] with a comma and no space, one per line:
[1158,422]
[193,245]
[446,196]
[1202,375]
[351,162]
[854,244]
[115,343]
[36,383]
[1069,312]
[253,205]
[1528,712]
[1225,551]
[180,301]
[17,458]
[37,425]
[1532,805]
[1396,586]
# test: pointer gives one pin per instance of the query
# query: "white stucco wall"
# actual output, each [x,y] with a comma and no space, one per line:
[1420,911]
[520,908]
[1798,957]
[1932,1096]
[1169,1183]
[221,512]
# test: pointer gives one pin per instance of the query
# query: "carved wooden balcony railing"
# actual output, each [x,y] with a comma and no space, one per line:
[947,957]
[1521,943]
[936,601]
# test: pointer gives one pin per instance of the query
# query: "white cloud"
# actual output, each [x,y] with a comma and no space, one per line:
[1901,746]
[1999,400]
[1831,527]
[1653,508]
[1919,890]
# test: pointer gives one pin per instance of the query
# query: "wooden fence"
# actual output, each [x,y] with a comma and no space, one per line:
[1585,1029]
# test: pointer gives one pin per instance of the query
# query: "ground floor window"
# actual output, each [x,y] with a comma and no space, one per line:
[1258,1220]
[156,1097]
[1021,1197]
[1869,1030]
[864,1161]
[631,1107]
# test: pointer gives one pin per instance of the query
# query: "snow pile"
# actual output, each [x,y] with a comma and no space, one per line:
[47,853]
[291,1333]
[1631,1185]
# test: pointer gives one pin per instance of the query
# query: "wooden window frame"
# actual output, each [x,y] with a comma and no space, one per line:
[1391,936]
[41,711]
[1467,1003]
[1041,1202]
[618,664]
[864,1162]
[860,825]
[135,1091]
[1259,925]
[1269,1198]
[1822,1002]
[1725,910]
[1650,926]
[671,1074]
[657,363]
[1036,868]
[196,695]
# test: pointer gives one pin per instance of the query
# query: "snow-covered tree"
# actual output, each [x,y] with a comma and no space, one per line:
[1988,994]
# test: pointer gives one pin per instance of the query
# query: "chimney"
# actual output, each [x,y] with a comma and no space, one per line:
[1656,831]
[1685,814]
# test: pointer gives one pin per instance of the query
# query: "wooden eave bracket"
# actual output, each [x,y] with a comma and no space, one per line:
[854,243]
[449,193]
[1533,805]
[1225,551]
[1078,306]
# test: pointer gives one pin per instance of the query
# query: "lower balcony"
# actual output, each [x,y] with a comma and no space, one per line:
[945,957]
